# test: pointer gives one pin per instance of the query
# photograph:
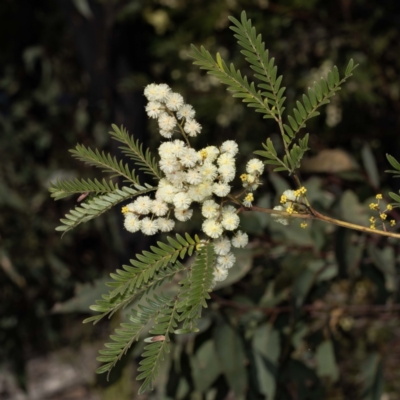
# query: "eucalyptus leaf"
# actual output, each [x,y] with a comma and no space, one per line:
[266,348]
[373,377]
[370,165]
[302,286]
[232,358]
[203,366]
[326,362]
[384,260]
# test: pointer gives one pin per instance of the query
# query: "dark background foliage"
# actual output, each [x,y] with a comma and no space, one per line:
[69,68]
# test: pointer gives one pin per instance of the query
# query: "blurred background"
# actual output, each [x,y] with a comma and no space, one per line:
[306,314]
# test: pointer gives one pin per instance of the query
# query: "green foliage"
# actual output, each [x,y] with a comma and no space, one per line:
[110,164]
[130,332]
[46,106]
[166,311]
[258,58]
[62,189]
[154,352]
[269,99]
[105,162]
[142,281]
[318,96]
[101,203]
[237,84]
[289,163]
[150,269]
[195,288]
[96,206]
[396,165]
[134,150]
[147,272]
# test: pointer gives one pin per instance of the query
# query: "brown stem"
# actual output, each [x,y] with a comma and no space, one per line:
[313,214]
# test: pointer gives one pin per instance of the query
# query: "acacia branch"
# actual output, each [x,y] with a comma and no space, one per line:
[315,215]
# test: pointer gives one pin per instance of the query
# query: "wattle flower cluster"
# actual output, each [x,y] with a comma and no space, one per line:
[203,177]
[292,202]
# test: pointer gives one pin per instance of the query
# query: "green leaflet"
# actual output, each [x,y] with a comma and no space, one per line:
[98,205]
[237,84]
[166,311]
[134,150]
[319,95]
[396,165]
[196,286]
[260,62]
[61,189]
[105,162]
[148,271]
[161,263]
[129,332]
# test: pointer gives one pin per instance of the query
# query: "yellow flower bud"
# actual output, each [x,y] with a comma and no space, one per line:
[124,210]
[203,153]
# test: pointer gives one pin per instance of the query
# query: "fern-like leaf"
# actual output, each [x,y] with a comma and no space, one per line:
[61,189]
[258,58]
[130,332]
[109,305]
[154,353]
[270,153]
[237,84]
[197,285]
[148,263]
[318,96]
[395,164]
[134,150]
[98,205]
[149,270]
[105,162]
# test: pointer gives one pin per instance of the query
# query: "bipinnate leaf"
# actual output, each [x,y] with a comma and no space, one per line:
[62,189]
[260,62]
[96,206]
[148,271]
[134,150]
[317,96]
[196,287]
[230,76]
[166,311]
[158,307]
[106,162]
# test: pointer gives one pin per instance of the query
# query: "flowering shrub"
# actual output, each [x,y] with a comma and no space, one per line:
[205,181]
[191,176]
